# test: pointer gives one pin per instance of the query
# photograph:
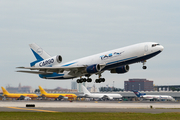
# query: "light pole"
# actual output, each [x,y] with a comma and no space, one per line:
[139,87]
[113,85]
[126,87]
[132,87]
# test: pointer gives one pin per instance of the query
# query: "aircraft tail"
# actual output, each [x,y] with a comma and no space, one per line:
[4,90]
[138,94]
[85,90]
[42,90]
[39,53]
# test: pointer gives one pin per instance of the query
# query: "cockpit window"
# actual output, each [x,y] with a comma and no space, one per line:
[153,45]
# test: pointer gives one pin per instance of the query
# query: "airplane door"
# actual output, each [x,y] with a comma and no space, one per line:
[145,49]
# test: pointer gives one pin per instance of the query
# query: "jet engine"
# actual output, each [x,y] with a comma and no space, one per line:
[122,69]
[93,68]
[49,62]
[110,98]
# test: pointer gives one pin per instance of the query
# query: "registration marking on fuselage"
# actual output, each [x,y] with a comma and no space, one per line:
[31,109]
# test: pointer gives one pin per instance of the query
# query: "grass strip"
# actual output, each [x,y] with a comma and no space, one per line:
[86,116]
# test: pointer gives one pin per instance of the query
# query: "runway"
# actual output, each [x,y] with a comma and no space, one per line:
[115,106]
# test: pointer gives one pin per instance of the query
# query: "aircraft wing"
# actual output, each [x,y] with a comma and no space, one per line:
[21,97]
[49,70]
[105,97]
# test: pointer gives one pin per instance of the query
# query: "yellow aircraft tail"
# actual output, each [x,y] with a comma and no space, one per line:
[42,90]
[4,90]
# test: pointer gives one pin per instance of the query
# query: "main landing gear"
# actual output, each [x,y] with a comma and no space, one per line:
[90,80]
[84,80]
[100,79]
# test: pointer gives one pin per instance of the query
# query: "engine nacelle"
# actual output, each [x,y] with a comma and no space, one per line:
[110,98]
[49,62]
[93,68]
[122,69]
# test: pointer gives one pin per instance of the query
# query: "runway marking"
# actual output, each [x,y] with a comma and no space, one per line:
[31,109]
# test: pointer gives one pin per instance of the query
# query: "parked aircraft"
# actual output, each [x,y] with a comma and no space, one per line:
[101,96]
[153,97]
[57,96]
[18,96]
[115,61]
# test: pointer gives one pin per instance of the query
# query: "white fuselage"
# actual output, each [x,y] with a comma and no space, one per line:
[96,95]
[158,97]
[115,58]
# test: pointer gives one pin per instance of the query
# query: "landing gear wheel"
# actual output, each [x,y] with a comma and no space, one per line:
[84,79]
[97,81]
[102,79]
[89,80]
[78,81]
[144,67]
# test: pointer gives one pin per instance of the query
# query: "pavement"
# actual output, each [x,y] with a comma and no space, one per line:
[95,106]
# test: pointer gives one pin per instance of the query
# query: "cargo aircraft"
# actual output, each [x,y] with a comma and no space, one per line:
[153,97]
[115,61]
[100,96]
[18,96]
[57,96]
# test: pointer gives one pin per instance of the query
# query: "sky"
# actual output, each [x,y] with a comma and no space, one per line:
[75,29]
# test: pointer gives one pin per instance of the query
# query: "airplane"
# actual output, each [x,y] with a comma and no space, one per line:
[100,96]
[57,96]
[116,61]
[18,96]
[153,97]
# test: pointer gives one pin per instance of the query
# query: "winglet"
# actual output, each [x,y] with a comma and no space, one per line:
[42,90]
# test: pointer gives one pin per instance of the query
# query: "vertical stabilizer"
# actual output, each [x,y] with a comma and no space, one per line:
[42,90]
[138,94]
[85,90]
[39,53]
[4,90]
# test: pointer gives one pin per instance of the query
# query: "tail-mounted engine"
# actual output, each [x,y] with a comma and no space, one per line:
[49,62]
[122,69]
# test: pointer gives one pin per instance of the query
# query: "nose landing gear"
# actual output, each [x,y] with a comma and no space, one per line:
[144,67]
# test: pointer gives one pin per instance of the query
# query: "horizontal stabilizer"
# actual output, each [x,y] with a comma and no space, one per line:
[35,72]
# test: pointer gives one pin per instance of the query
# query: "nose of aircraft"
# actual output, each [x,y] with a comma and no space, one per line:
[161,48]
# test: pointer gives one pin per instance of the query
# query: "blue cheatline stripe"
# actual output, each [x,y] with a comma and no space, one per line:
[33,63]
[69,64]
[39,58]
[121,60]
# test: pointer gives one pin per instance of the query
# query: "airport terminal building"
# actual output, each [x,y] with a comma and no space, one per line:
[138,84]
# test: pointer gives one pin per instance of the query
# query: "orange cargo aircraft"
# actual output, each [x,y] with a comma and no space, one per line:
[20,96]
[57,96]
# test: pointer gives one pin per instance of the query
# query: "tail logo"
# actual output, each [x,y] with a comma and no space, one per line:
[40,51]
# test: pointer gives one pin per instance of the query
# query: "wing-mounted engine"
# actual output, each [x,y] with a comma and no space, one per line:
[93,68]
[61,97]
[110,98]
[49,62]
[122,69]
[21,97]
[106,97]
